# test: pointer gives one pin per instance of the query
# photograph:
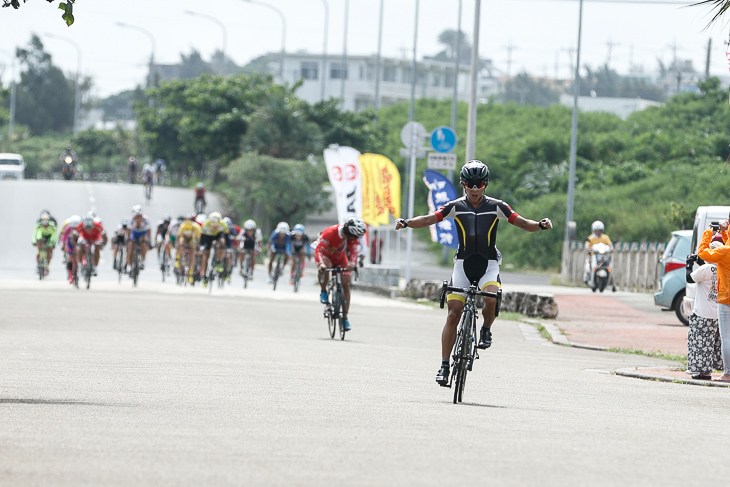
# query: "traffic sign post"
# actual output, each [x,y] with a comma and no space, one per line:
[443,139]
[441,161]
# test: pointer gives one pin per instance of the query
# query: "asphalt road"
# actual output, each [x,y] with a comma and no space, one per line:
[162,385]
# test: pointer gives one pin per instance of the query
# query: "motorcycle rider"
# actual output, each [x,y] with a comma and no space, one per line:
[68,168]
[597,236]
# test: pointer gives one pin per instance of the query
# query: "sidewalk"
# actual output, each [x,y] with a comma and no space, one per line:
[603,322]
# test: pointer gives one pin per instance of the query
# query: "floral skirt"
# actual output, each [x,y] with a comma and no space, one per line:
[703,345]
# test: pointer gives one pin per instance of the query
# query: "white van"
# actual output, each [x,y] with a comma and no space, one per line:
[703,217]
[12,166]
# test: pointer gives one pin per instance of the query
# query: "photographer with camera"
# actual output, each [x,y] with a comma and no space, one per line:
[720,255]
[704,352]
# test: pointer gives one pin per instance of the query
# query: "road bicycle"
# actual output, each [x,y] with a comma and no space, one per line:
[42,263]
[181,272]
[297,275]
[87,265]
[216,269]
[147,192]
[280,258]
[335,307]
[199,205]
[120,263]
[465,351]
[165,264]
[136,263]
[247,267]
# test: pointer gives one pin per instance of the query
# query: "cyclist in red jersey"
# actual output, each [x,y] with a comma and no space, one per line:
[330,252]
[89,231]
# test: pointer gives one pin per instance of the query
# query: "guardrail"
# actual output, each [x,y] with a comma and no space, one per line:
[635,265]
[165,179]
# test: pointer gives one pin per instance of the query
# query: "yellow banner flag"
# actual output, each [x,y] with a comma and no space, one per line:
[381,189]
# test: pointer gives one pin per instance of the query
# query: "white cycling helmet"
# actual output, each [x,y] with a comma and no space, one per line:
[354,227]
[74,220]
[249,225]
[597,226]
[282,227]
[136,210]
[200,219]
[215,217]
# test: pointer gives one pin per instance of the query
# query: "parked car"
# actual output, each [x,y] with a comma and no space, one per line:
[703,217]
[672,280]
[12,166]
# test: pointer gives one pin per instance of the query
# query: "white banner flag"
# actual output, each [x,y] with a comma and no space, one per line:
[343,169]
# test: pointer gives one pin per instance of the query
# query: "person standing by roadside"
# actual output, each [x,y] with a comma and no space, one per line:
[703,340]
[721,257]
[132,167]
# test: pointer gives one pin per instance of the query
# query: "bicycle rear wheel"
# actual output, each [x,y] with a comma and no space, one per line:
[297,274]
[246,269]
[120,264]
[341,310]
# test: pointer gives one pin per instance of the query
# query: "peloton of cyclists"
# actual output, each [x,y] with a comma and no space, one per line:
[45,233]
[250,241]
[214,230]
[139,234]
[278,244]
[298,248]
[330,252]
[89,232]
[477,259]
[188,239]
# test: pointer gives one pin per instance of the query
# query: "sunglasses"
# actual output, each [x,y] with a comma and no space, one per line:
[474,186]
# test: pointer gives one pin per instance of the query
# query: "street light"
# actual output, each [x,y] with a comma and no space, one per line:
[223,28]
[378,62]
[150,79]
[283,33]
[324,47]
[11,122]
[574,131]
[77,101]
[343,71]
[412,166]
[471,128]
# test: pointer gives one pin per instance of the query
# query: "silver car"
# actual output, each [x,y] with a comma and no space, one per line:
[673,275]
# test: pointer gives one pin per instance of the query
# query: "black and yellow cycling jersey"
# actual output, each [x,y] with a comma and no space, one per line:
[476,227]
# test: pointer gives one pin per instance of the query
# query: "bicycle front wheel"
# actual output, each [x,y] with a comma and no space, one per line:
[341,311]
[463,353]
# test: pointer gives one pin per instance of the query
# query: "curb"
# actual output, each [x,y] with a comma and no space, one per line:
[663,378]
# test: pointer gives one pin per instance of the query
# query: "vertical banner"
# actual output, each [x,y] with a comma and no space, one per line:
[343,170]
[380,189]
[440,192]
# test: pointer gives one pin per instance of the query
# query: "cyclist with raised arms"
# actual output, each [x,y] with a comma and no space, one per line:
[330,252]
[477,259]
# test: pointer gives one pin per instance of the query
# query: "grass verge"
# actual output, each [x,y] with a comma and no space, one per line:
[662,355]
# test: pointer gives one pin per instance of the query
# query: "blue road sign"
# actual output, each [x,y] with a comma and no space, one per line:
[443,139]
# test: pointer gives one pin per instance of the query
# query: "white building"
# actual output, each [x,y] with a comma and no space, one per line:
[354,80]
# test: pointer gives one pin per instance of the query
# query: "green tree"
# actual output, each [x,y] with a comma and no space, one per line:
[66,7]
[120,106]
[45,97]
[286,189]
[202,119]
[100,150]
[192,66]
[348,128]
[280,128]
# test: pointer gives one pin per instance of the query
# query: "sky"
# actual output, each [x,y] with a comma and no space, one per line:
[536,36]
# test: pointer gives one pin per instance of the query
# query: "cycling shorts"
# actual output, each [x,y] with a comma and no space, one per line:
[118,240]
[206,241]
[136,235]
[475,269]
[172,239]
[338,260]
[297,249]
[98,242]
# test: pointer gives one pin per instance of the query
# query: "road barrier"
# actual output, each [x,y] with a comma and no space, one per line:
[635,265]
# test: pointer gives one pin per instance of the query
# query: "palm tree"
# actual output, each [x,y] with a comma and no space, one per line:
[719,6]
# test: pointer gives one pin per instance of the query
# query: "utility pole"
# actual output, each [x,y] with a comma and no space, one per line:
[610,45]
[510,47]
[707,59]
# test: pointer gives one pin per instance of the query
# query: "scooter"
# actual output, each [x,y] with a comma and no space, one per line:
[68,170]
[600,267]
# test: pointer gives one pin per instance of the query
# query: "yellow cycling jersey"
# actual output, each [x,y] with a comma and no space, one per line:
[189,229]
[593,239]
[213,229]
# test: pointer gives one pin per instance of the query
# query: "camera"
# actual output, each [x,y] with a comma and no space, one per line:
[715,226]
